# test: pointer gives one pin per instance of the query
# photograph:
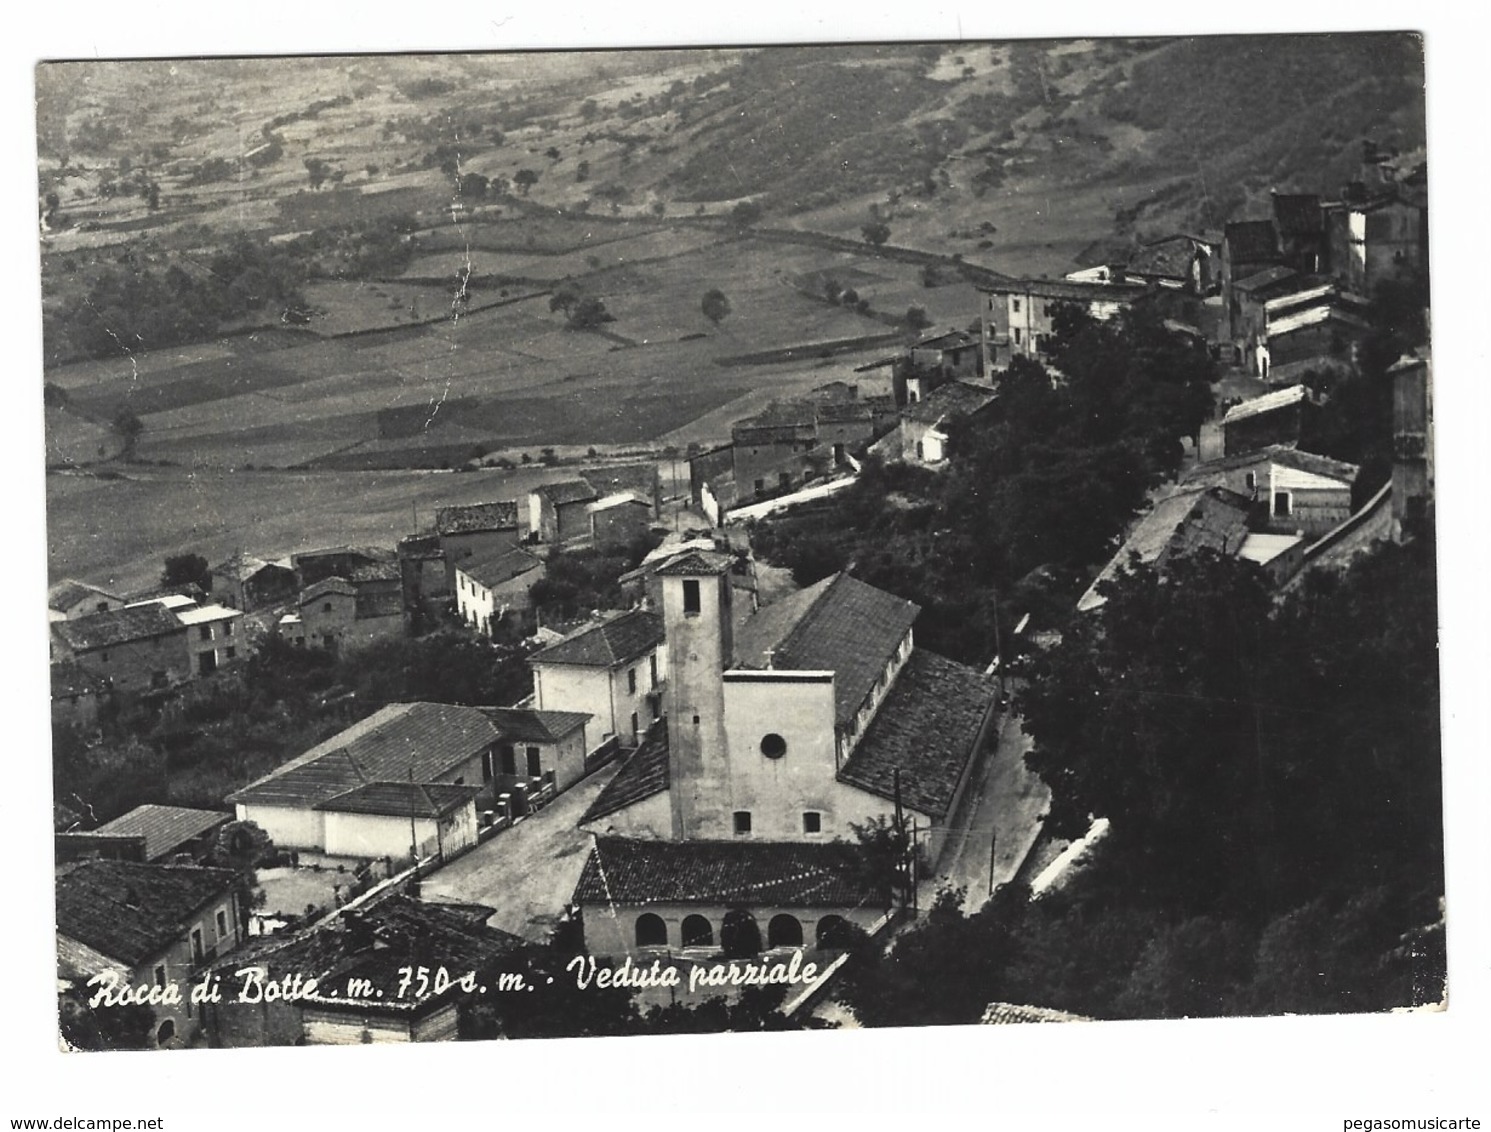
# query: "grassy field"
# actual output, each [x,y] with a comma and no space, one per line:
[512,375]
[215,513]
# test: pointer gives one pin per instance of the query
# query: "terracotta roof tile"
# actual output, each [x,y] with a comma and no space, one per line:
[164,828]
[614,641]
[926,727]
[131,911]
[774,873]
[402,799]
[100,630]
[499,568]
[642,776]
[528,725]
[467,518]
[567,491]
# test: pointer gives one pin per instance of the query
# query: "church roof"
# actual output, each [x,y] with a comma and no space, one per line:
[926,728]
[839,625]
[780,874]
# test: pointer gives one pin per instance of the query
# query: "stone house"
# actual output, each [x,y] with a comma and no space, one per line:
[245,582]
[151,833]
[372,943]
[557,511]
[921,436]
[1293,492]
[490,589]
[70,599]
[136,649]
[618,519]
[1016,317]
[153,925]
[476,529]
[1274,418]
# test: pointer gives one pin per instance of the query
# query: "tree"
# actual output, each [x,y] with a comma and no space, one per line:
[589,313]
[128,427]
[152,196]
[186,570]
[474,185]
[582,171]
[552,153]
[876,232]
[746,213]
[917,318]
[525,179]
[715,305]
[317,170]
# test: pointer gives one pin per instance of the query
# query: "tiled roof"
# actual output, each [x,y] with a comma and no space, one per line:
[420,740]
[372,942]
[761,873]
[70,591]
[619,499]
[845,627]
[130,911]
[1170,258]
[643,775]
[840,412]
[164,828]
[498,516]
[1071,290]
[1268,281]
[528,725]
[783,414]
[420,546]
[241,567]
[567,491]
[100,630]
[926,727]
[1298,213]
[947,340]
[1252,241]
[332,585]
[693,563]
[375,572]
[1007,1013]
[1278,454]
[1193,517]
[1278,399]
[955,399]
[402,799]
[614,641]
[499,568]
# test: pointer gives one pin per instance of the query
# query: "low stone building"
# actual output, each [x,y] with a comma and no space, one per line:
[488,590]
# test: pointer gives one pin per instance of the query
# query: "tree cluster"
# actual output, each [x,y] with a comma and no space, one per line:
[1272,780]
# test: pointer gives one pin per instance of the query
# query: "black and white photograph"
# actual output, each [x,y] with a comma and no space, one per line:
[921,533]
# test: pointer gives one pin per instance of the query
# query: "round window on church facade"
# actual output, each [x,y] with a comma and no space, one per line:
[773,746]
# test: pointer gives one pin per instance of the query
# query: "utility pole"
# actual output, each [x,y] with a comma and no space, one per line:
[993,840]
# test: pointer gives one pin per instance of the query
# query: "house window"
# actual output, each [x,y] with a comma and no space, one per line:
[160,976]
[197,952]
[773,746]
[103,657]
[1015,305]
[1017,336]
[784,479]
[691,595]
[205,632]
[222,923]
[742,821]
[1252,481]
[535,763]
[486,766]
[103,607]
[1283,505]
[652,663]
[227,628]
[760,486]
[326,607]
[631,680]
[509,761]
[635,732]
[812,822]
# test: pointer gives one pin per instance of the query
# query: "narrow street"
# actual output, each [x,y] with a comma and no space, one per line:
[527,873]
[1005,807]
